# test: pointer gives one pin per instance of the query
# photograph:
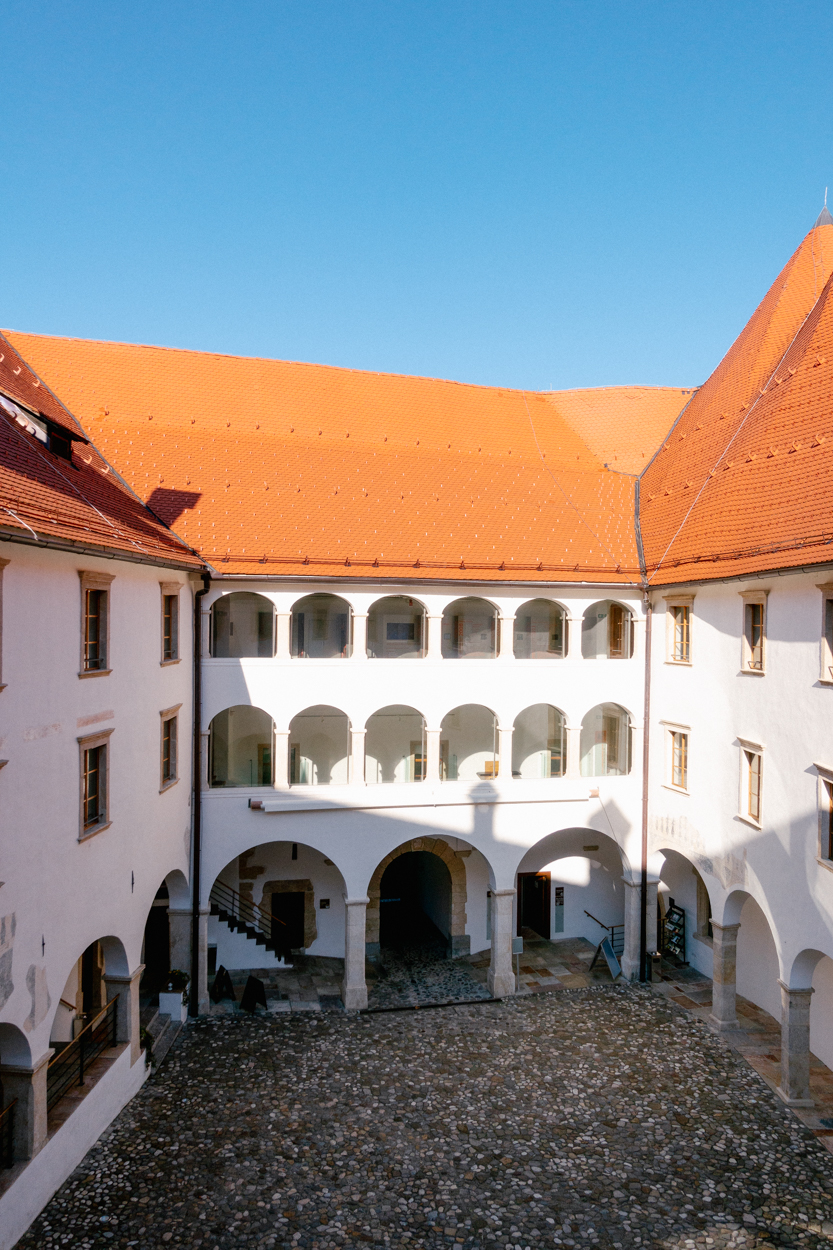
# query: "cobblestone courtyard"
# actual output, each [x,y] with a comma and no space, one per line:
[605,1116]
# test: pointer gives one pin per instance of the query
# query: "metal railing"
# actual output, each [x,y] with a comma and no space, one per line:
[243,910]
[616,931]
[68,1068]
[7,1135]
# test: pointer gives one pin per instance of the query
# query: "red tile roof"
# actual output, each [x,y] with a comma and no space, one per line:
[81,502]
[273,467]
[622,425]
[742,484]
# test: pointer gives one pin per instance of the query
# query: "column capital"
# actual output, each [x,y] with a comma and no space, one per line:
[498,893]
[27,1069]
[124,979]
[788,989]
[356,902]
[730,929]
[358,732]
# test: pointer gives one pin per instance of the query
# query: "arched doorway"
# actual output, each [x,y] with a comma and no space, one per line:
[439,895]
[415,903]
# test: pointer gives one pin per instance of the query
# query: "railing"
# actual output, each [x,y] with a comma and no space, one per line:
[243,909]
[616,931]
[7,1135]
[68,1068]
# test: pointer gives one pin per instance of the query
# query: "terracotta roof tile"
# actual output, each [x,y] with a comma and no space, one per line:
[622,425]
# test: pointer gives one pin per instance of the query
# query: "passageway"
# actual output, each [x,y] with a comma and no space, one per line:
[415,905]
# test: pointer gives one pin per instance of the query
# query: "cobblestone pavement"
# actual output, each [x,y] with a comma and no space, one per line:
[603,1117]
[420,974]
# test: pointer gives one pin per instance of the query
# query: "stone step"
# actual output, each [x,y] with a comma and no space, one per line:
[164,1040]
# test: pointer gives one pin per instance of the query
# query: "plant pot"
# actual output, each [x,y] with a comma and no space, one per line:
[173,1006]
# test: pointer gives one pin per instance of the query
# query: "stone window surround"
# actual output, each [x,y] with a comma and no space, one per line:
[92,579]
[757,748]
[671,727]
[824,792]
[3,564]
[86,743]
[678,601]
[286,886]
[759,595]
[169,713]
[168,588]
[826,643]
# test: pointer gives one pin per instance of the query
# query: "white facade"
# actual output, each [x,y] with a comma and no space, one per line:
[65,887]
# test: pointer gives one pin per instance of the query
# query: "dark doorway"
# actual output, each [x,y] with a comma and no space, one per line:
[288,908]
[534,903]
[157,945]
[415,903]
[91,970]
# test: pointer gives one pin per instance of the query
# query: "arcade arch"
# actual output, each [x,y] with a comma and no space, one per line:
[395,745]
[431,882]
[565,876]
[469,744]
[607,631]
[240,747]
[322,628]
[540,631]
[605,746]
[319,747]
[469,630]
[539,742]
[242,626]
[681,885]
[396,629]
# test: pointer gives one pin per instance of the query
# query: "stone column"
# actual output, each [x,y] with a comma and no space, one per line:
[204,757]
[572,625]
[354,986]
[574,752]
[360,636]
[435,637]
[432,755]
[357,741]
[633,915]
[179,941]
[205,629]
[506,650]
[724,989]
[126,989]
[501,979]
[283,646]
[203,1001]
[281,759]
[505,753]
[794,1085]
[28,1086]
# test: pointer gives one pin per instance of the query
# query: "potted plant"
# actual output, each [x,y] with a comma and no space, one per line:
[173,1002]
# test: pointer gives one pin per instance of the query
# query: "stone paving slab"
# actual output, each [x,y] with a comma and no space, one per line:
[606,1117]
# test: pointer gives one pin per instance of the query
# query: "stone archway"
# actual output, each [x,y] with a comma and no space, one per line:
[453,860]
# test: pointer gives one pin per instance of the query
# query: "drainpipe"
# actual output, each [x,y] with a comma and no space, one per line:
[193,1003]
[643,913]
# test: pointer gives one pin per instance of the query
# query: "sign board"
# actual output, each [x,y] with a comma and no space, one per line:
[517,946]
[612,962]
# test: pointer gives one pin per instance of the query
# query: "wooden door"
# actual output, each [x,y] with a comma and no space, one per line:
[534,902]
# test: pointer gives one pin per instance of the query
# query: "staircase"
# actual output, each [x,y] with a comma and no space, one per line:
[163,1030]
[243,916]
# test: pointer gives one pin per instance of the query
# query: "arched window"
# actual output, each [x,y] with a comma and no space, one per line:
[468,744]
[540,631]
[396,629]
[607,632]
[322,628]
[240,747]
[242,626]
[606,742]
[469,630]
[395,746]
[539,743]
[319,747]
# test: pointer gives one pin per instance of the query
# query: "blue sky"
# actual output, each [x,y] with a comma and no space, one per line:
[526,194]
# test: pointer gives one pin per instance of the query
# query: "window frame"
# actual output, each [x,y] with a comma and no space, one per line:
[672,602]
[753,598]
[91,742]
[167,716]
[749,751]
[3,564]
[170,590]
[826,637]
[825,816]
[91,579]
[672,729]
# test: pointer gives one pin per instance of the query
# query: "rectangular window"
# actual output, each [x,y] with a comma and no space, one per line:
[170,627]
[681,633]
[825,814]
[826,674]
[753,658]
[94,762]
[751,783]
[559,909]
[169,750]
[679,759]
[95,630]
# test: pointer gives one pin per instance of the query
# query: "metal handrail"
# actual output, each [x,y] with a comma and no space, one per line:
[67,1069]
[227,899]
[616,931]
[7,1135]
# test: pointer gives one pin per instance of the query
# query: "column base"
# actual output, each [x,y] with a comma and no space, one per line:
[354,997]
[501,984]
[807,1103]
[723,1026]
[630,968]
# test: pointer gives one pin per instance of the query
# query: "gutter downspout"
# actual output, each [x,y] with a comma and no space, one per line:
[646,738]
[196,836]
